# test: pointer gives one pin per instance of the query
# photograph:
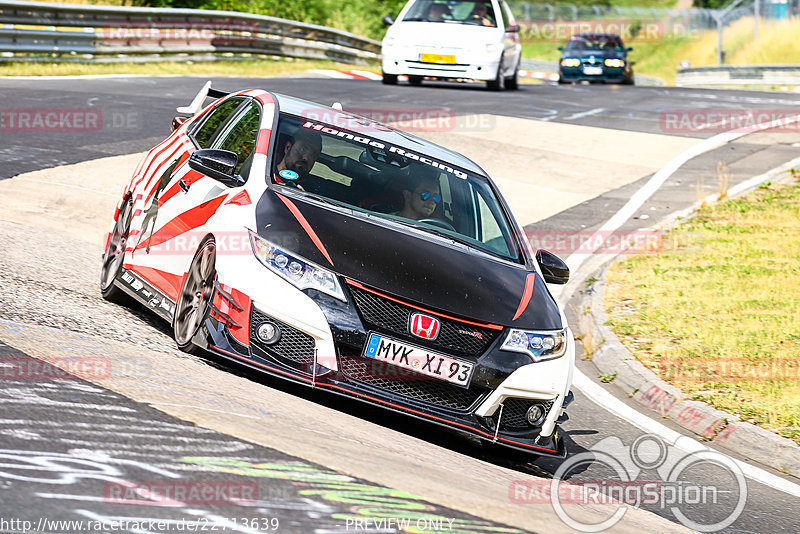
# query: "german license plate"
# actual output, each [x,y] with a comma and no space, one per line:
[590,71]
[438,58]
[418,359]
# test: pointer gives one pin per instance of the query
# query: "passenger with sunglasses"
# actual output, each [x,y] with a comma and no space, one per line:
[420,202]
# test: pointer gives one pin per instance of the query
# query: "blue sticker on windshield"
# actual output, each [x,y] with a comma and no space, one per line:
[289,175]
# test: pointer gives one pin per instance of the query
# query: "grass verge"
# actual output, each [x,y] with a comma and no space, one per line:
[717,315]
[243,68]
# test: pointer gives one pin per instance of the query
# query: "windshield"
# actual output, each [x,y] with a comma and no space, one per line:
[478,12]
[357,171]
[595,43]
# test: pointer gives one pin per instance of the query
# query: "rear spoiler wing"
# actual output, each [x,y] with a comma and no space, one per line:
[199,99]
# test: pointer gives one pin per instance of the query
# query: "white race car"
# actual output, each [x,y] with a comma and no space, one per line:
[453,39]
[338,252]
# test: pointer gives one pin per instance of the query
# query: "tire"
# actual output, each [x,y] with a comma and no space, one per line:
[389,79]
[512,82]
[414,80]
[114,255]
[498,84]
[194,300]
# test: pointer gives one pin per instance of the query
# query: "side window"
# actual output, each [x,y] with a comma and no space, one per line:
[240,137]
[208,131]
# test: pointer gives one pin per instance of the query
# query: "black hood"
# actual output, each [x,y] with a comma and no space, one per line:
[413,267]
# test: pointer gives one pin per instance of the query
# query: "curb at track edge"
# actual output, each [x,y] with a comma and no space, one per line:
[659,397]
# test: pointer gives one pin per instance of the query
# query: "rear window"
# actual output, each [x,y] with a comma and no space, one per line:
[369,175]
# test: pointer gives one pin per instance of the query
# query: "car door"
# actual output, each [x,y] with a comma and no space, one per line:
[188,199]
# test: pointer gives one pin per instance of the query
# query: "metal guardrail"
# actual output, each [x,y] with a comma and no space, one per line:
[690,19]
[738,75]
[88,31]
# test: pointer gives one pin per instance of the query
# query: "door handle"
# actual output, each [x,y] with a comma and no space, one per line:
[183,185]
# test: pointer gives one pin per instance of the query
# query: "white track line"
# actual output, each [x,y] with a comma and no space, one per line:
[576,260]
[584,114]
[603,398]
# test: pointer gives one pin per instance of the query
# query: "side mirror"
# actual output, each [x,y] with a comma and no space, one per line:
[177,122]
[555,271]
[513,28]
[217,164]
[561,48]
[629,49]
[388,20]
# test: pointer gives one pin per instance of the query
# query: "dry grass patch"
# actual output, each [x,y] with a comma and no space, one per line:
[718,313]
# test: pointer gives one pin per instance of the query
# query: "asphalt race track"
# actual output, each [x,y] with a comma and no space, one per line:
[301,460]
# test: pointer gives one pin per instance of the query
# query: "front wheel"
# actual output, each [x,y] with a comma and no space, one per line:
[389,79]
[512,82]
[498,84]
[114,255]
[194,301]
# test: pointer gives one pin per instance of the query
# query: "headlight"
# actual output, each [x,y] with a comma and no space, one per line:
[615,63]
[388,41]
[538,345]
[571,62]
[492,48]
[299,272]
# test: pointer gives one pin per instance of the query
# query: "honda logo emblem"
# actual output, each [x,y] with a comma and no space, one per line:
[424,326]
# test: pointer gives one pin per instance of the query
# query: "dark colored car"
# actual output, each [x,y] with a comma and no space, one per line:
[340,253]
[595,57]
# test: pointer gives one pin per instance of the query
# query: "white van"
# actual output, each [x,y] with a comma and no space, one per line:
[455,39]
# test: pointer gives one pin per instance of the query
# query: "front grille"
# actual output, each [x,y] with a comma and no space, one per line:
[515,412]
[293,344]
[454,336]
[398,381]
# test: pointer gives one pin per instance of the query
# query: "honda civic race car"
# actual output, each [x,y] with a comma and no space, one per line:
[337,252]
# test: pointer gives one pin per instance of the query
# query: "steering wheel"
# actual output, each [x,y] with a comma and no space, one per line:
[438,222]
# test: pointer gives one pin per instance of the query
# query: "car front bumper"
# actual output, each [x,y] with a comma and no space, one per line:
[475,68]
[608,75]
[317,351]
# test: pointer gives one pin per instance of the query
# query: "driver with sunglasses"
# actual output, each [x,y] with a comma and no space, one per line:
[420,202]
